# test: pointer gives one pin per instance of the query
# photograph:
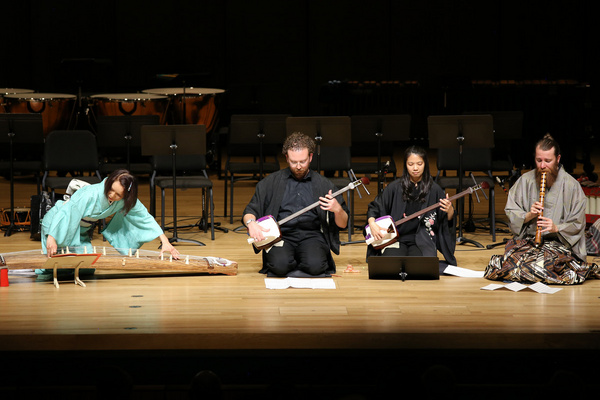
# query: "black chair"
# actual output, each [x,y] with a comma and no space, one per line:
[189,169]
[473,160]
[120,145]
[21,144]
[252,150]
[73,152]
[195,165]
[374,137]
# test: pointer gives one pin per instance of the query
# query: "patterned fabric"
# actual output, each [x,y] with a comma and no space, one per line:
[592,239]
[551,263]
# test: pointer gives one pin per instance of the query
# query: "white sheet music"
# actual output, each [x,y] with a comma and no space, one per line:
[299,283]
[538,287]
[541,288]
[463,272]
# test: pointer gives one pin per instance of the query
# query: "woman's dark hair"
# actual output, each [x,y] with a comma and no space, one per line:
[129,184]
[547,143]
[424,184]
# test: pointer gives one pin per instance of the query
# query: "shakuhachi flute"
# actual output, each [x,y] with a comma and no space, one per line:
[538,232]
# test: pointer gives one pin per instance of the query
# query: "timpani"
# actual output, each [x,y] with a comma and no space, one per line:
[119,104]
[5,91]
[56,108]
[192,105]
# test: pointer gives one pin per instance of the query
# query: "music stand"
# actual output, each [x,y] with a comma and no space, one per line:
[26,129]
[269,129]
[113,132]
[395,128]
[173,140]
[450,131]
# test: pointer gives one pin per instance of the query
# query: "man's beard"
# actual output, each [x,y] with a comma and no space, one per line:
[551,176]
[299,174]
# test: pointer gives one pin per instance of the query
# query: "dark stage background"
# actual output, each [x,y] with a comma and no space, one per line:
[320,57]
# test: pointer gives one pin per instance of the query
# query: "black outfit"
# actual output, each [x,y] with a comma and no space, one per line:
[308,239]
[427,234]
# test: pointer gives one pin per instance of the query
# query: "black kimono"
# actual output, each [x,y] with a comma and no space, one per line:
[433,232]
[268,198]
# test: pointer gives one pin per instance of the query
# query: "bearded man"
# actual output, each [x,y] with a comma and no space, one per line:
[308,239]
[561,257]
[564,205]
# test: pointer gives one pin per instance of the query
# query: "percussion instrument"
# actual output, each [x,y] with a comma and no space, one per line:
[22,218]
[56,108]
[388,225]
[192,105]
[592,207]
[538,231]
[116,104]
[273,235]
[5,91]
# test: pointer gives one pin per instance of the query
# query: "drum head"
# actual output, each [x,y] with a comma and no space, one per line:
[5,91]
[40,96]
[179,91]
[128,96]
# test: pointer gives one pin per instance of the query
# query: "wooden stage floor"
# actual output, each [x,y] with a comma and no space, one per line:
[163,327]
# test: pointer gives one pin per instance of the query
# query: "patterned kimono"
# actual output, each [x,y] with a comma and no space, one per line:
[561,257]
[550,263]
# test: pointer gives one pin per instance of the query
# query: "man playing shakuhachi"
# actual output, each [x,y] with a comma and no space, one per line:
[560,256]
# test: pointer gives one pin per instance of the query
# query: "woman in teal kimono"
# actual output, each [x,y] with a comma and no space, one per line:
[71,222]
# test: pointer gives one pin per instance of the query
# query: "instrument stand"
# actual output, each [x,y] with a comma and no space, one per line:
[318,139]
[261,137]
[79,71]
[78,104]
[461,204]
[21,128]
[11,136]
[441,132]
[68,261]
[184,105]
[175,238]
[502,243]
[380,173]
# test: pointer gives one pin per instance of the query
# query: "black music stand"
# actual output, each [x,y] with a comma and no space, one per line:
[386,128]
[119,135]
[173,140]
[450,131]
[26,129]
[270,130]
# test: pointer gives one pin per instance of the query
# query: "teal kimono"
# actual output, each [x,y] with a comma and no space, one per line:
[69,222]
